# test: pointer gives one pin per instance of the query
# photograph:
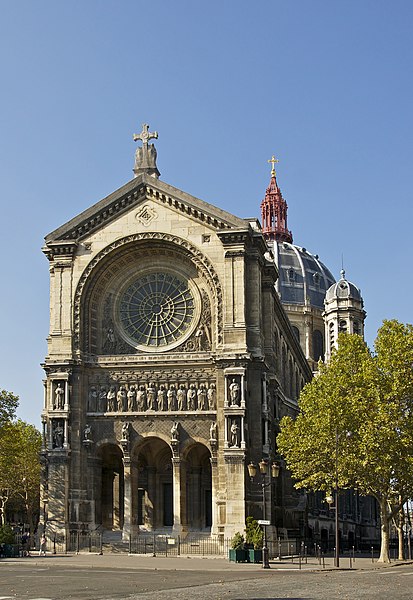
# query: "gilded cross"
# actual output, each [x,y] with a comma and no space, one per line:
[273,161]
[145,136]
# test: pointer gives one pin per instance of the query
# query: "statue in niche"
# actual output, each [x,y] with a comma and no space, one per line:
[172,398]
[234,392]
[234,434]
[202,398]
[141,398]
[58,435]
[122,399]
[213,431]
[162,400]
[191,397]
[111,399]
[87,433]
[92,400]
[125,432]
[59,397]
[181,397]
[212,397]
[175,431]
[131,398]
[109,343]
[102,400]
[151,397]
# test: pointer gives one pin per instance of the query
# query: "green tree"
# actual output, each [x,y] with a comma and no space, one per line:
[8,405]
[20,445]
[371,396]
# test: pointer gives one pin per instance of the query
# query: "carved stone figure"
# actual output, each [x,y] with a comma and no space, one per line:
[58,435]
[109,344]
[181,397]
[102,400]
[212,397]
[234,393]
[213,431]
[191,397]
[122,399]
[92,400]
[175,431]
[234,435]
[87,433]
[172,405]
[151,395]
[125,432]
[141,398]
[202,398]
[111,399]
[131,398]
[59,397]
[162,400]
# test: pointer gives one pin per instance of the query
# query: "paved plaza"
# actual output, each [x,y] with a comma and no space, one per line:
[123,577]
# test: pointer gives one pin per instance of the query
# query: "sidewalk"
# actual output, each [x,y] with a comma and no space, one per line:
[194,563]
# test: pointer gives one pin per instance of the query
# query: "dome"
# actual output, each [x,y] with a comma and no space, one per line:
[303,278]
[343,289]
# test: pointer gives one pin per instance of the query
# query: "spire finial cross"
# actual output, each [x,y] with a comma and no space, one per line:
[273,160]
[145,136]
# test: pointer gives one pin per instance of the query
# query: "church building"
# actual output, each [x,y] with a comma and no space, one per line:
[180,335]
[170,362]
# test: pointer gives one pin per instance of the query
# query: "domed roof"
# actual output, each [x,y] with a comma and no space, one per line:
[343,289]
[303,278]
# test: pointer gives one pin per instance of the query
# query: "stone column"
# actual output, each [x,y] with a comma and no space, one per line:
[176,474]
[214,486]
[152,495]
[127,499]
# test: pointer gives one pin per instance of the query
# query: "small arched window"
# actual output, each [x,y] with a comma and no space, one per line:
[318,345]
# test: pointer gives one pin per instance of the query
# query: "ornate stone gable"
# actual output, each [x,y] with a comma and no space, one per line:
[132,195]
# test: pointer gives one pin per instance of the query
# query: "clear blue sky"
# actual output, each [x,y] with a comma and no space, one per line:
[325,85]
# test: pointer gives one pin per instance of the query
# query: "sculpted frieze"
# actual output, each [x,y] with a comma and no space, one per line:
[135,397]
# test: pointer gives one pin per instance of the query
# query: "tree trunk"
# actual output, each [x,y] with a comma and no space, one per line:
[400,532]
[401,541]
[384,517]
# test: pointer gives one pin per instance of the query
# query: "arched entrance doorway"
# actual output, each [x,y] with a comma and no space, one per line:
[152,485]
[112,487]
[197,483]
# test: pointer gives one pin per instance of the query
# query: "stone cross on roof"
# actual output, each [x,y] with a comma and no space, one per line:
[145,156]
[145,136]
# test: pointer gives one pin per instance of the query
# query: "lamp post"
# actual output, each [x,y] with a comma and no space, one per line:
[263,469]
[330,499]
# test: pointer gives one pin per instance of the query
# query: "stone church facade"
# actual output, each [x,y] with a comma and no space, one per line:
[170,362]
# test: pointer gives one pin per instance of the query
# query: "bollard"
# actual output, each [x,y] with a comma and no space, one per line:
[54,544]
[306,554]
[372,554]
[351,563]
[154,548]
[100,545]
[130,544]
[279,548]
[179,545]
[324,562]
[299,561]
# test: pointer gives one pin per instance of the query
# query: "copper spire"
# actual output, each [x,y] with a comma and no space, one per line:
[274,211]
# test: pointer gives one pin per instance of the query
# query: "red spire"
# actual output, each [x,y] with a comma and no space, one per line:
[274,211]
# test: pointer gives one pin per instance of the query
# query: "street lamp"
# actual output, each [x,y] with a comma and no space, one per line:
[263,469]
[330,500]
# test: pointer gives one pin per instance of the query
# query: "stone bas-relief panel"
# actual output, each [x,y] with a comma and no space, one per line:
[151,397]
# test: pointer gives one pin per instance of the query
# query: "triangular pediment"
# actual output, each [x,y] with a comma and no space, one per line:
[131,195]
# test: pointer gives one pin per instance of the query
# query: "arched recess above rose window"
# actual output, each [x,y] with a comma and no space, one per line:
[150,297]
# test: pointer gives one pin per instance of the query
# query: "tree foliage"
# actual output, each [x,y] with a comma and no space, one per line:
[8,405]
[19,460]
[371,396]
